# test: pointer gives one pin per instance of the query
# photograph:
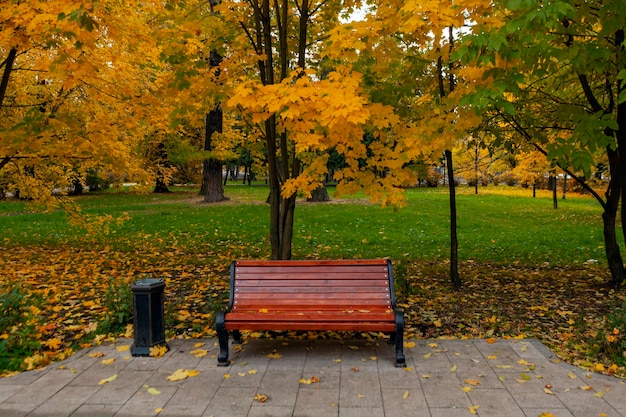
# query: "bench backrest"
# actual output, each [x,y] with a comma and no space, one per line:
[340,285]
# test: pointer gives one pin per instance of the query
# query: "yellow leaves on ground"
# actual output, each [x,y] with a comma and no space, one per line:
[312,380]
[472,382]
[274,355]
[108,361]
[158,351]
[107,380]
[123,348]
[53,344]
[260,398]
[199,353]
[153,391]
[473,409]
[181,374]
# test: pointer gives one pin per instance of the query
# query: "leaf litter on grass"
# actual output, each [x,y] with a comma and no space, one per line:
[562,307]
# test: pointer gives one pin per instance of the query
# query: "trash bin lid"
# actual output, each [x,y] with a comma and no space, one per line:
[147,283]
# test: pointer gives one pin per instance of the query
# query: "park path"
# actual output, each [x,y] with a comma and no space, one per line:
[321,378]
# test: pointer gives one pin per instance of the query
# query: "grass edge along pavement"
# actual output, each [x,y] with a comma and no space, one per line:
[65,285]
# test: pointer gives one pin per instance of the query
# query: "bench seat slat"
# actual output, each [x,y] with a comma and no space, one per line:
[311,325]
[311,316]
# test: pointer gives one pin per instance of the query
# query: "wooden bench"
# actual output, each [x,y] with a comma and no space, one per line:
[338,295]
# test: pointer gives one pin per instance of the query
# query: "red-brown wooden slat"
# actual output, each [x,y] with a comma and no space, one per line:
[316,262]
[309,316]
[305,326]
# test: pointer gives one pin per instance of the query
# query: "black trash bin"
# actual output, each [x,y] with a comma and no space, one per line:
[149,316]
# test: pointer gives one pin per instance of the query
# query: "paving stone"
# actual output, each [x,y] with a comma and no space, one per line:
[404,402]
[99,410]
[146,404]
[533,412]
[354,381]
[444,390]
[361,412]
[495,403]
[65,402]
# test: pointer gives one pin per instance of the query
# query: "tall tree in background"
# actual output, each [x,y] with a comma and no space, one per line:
[556,73]
[212,188]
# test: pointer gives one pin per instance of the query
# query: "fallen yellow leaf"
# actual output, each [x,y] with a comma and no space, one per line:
[472,382]
[53,344]
[181,374]
[199,344]
[96,354]
[453,369]
[466,389]
[409,345]
[548,391]
[252,371]
[158,410]
[406,395]
[107,380]
[108,361]
[158,351]
[153,391]
[123,348]
[599,394]
[260,398]
[199,353]
[473,409]
[275,355]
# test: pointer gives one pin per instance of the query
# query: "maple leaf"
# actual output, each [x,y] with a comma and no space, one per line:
[53,344]
[158,351]
[181,374]
[199,353]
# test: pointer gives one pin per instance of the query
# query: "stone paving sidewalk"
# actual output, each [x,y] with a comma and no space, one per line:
[321,378]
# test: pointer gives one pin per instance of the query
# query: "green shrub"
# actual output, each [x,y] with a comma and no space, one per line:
[118,303]
[17,331]
[611,343]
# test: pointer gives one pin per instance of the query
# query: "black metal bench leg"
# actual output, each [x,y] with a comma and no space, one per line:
[222,338]
[237,337]
[399,339]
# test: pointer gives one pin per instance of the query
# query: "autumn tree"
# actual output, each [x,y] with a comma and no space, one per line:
[69,72]
[300,114]
[555,73]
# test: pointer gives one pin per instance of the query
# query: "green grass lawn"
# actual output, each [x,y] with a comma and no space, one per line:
[497,225]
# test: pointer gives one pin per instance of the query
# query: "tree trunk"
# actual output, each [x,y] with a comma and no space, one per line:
[454,243]
[319,195]
[8,67]
[212,188]
[555,200]
[161,186]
